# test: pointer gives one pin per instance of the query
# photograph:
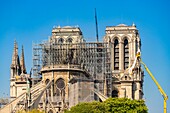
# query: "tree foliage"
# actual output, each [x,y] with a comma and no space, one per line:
[111,105]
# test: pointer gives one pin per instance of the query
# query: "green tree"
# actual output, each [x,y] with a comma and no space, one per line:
[124,105]
[111,105]
[88,107]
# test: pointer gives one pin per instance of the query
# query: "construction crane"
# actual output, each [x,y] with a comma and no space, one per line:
[165,97]
[158,85]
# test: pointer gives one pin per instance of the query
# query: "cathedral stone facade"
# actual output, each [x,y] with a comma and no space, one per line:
[126,42]
[78,69]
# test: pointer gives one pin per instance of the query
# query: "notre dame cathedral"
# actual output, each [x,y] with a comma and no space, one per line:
[67,69]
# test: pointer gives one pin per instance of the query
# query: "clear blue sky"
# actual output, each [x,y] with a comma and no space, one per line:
[30,21]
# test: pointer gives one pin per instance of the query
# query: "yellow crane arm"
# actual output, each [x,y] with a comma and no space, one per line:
[157,84]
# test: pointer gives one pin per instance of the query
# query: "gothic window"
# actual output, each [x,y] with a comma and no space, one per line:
[57,92]
[126,54]
[116,54]
[50,111]
[69,40]
[60,83]
[47,81]
[60,40]
[114,93]
[48,91]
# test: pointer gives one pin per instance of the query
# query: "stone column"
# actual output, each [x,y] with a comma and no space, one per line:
[137,92]
[121,55]
[52,87]
[67,86]
[131,52]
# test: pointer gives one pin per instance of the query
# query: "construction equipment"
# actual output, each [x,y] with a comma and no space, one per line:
[155,81]
[158,85]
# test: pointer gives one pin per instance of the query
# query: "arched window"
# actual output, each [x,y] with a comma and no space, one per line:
[116,54]
[47,81]
[48,91]
[60,40]
[114,93]
[69,40]
[57,92]
[126,54]
[50,111]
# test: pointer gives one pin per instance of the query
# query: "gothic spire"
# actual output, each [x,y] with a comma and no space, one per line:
[15,55]
[15,66]
[22,62]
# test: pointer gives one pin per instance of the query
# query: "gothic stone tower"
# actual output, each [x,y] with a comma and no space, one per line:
[125,44]
[18,83]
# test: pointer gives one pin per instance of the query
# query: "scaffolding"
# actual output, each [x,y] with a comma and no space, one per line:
[94,58]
